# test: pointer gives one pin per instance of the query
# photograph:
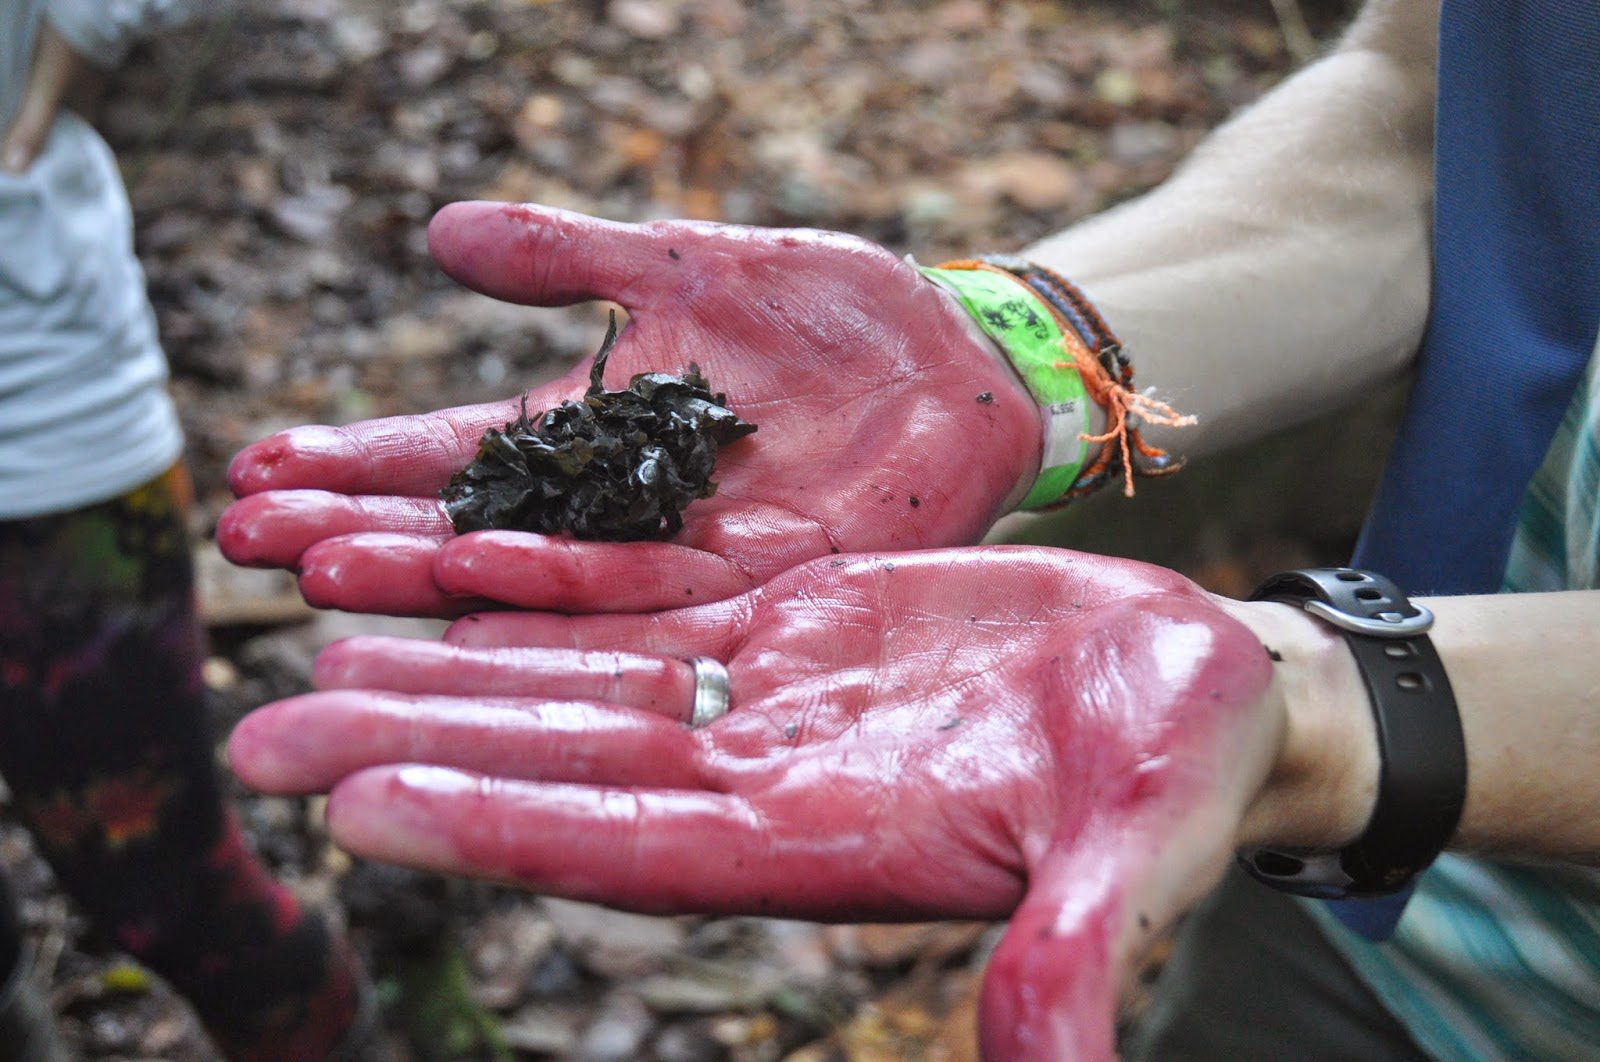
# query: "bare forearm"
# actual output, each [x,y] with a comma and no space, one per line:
[1526,675]
[1285,267]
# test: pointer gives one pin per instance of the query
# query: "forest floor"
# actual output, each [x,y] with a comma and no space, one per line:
[283,163]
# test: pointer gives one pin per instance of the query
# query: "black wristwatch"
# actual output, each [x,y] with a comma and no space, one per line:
[1422,772]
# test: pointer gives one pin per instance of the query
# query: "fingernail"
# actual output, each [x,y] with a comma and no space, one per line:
[16,159]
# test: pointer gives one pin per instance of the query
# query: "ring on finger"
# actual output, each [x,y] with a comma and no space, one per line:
[710,691]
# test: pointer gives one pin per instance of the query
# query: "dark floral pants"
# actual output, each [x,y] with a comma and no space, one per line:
[105,747]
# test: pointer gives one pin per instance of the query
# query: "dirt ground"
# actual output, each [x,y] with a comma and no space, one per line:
[283,162]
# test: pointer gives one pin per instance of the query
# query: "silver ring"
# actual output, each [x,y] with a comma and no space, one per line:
[710,691]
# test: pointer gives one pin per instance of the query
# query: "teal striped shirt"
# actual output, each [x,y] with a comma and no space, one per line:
[1494,961]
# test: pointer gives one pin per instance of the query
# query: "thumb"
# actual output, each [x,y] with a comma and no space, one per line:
[54,66]
[1050,991]
[542,256]
[1095,903]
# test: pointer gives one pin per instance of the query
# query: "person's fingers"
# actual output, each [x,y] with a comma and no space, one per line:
[54,66]
[384,574]
[567,575]
[411,455]
[760,538]
[713,630]
[307,744]
[408,665]
[542,256]
[1050,990]
[647,850]
[272,530]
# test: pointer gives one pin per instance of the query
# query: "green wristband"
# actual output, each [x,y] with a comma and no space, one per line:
[1020,322]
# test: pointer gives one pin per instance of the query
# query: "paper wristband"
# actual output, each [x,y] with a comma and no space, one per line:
[1016,319]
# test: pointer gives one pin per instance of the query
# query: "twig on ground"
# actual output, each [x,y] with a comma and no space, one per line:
[1297,36]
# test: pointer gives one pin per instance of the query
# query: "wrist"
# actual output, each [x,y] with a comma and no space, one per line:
[1026,463]
[1073,365]
[1323,784]
[1034,343]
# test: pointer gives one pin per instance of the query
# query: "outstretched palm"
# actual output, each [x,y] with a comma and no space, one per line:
[945,734]
[884,424]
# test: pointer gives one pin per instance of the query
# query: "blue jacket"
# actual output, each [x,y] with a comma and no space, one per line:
[1516,304]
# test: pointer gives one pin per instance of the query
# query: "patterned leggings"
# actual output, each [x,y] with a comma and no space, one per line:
[104,745]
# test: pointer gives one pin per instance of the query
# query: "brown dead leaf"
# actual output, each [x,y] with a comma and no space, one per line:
[641,147]
[957,1039]
[1034,180]
[891,945]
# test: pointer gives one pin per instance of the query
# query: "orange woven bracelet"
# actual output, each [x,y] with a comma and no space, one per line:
[1093,351]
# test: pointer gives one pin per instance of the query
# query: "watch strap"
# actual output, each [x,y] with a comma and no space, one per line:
[1422,752]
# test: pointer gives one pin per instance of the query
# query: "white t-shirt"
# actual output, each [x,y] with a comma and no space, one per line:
[84,414]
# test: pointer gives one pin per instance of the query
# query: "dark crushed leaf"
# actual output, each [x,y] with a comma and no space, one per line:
[617,466]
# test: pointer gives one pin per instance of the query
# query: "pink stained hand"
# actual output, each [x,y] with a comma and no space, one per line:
[885,423]
[1067,740]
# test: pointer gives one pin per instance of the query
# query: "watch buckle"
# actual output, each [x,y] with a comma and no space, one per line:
[1384,625]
